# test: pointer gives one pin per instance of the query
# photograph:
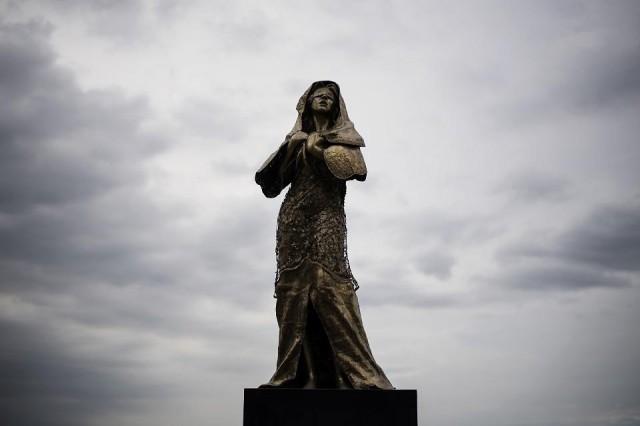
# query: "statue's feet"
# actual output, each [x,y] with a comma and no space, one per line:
[342,383]
[268,386]
[282,385]
[311,383]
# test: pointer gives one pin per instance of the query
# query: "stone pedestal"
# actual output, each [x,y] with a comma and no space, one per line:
[330,407]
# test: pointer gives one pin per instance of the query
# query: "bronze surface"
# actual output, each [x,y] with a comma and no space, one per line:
[322,342]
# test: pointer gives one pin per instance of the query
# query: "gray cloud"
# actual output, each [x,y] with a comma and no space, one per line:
[600,76]
[122,22]
[44,383]
[436,263]
[395,293]
[581,59]
[567,278]
[72,214]
[436,227]
[528,187]
[245,32]
[208,119]
[605,72]
[60,144]
[420,255]
[71,171]
[603,250]
[607,239]
[613,78]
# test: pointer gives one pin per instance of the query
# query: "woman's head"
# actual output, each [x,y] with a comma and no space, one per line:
[340,129]
[323,98]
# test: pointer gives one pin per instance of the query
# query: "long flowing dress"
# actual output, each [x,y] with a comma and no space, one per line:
[315,288]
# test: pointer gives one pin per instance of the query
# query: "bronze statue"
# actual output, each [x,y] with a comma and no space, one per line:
[322,342]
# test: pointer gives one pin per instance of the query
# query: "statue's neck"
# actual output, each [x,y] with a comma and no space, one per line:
[321,122]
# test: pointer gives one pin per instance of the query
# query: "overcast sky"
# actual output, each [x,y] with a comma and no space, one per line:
[496,239]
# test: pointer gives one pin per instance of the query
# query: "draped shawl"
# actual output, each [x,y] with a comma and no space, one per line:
[342,155]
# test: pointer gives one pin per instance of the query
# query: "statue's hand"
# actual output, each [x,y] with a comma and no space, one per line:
[298,137]
[315,144]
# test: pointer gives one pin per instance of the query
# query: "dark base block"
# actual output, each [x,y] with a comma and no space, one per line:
[330,407]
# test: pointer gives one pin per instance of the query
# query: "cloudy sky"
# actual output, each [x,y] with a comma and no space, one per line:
[496,240]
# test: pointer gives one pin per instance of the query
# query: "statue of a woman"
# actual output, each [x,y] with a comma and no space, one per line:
[322,342]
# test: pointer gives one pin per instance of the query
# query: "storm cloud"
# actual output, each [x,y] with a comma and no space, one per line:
[601,250]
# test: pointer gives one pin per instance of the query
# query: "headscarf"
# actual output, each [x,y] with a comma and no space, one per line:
[341,131]
[277,170]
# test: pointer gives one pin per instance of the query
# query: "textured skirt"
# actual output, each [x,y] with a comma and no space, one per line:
[320,309]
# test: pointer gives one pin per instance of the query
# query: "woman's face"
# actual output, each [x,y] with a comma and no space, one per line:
[322,101]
